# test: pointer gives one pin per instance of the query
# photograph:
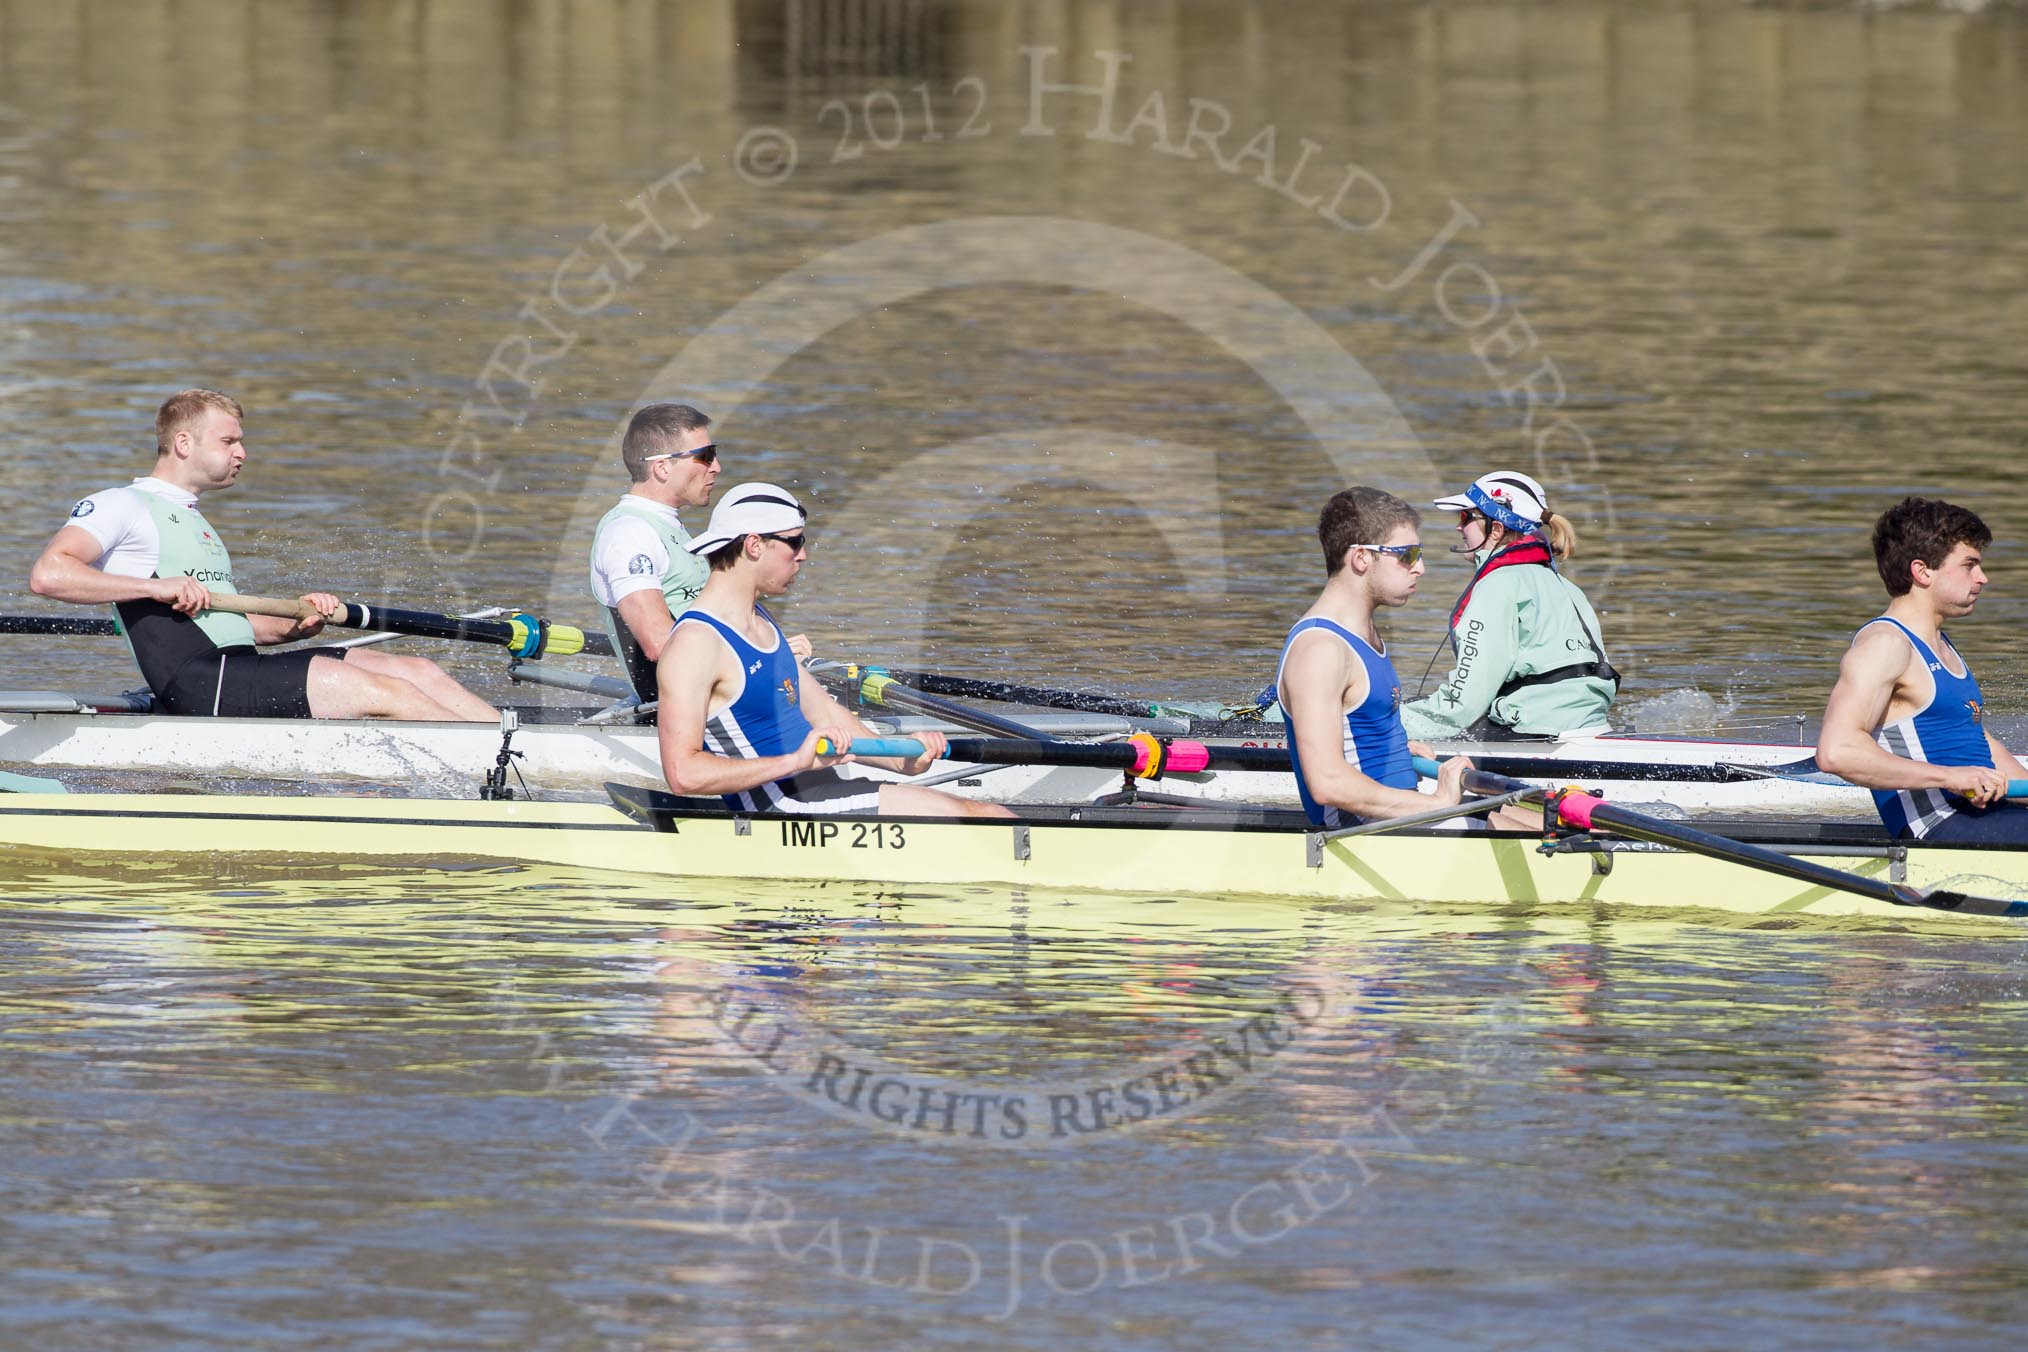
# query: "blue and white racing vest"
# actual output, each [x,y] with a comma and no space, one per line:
[1375,742]
[765,718]
[1949,730]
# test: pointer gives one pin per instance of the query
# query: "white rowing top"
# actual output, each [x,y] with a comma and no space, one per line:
[130,543]
[630,555]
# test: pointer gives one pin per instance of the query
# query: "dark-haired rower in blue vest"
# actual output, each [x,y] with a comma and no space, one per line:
[1339,692]
[1906,718]
[740,717]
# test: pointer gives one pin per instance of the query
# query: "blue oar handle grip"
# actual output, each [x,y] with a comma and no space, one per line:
[1426,767]
[904,748]
[2017,788]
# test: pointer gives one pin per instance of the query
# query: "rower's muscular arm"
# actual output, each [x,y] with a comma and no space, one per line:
[646,615]
[1318,681]
[1868,676]
[276,629]
[696,668]
[270,629]
[68,571]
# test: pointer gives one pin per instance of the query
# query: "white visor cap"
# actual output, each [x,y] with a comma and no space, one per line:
[1503,492]
[750,509]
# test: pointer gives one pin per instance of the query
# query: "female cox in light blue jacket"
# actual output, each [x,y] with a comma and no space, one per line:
[1529,661]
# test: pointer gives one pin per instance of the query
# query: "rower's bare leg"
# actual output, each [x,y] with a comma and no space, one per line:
[1515,817]
[910,800]
[341,689]
[429,678]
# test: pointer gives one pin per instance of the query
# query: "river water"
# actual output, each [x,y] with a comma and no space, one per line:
[1065,319]
[519,1108]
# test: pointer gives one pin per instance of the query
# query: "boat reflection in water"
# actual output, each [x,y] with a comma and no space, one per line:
[577,1085]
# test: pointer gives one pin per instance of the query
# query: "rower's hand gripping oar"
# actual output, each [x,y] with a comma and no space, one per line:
[524,635]
[1588,812]
[1470,807]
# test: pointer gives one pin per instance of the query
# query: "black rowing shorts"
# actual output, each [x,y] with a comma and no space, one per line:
[2000,824]
[828,792]
[240,682]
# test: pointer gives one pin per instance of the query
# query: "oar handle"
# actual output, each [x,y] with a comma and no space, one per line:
[262,605]
[2017,788]
[903,748]
[1476,782]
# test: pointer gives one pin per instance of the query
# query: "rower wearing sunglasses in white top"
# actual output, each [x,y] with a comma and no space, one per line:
[642,573]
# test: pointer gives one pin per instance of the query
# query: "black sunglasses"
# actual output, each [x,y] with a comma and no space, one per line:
[704,455]
[794,542]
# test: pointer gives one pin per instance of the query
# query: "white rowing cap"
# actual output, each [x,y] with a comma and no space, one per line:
[750,509]
[1510,488]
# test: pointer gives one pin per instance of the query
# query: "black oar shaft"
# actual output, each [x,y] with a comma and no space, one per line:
[1010,692]
[881,688]
[1099,755]
[1640,826]
[93,625]
[1275,760]
[523,635]
[1572,771]
[422,624]
[1030,751]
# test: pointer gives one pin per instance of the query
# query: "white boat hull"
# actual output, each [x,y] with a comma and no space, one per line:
[452,759]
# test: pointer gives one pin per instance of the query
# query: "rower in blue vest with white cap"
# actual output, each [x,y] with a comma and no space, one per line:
[740,717]
[1529,661]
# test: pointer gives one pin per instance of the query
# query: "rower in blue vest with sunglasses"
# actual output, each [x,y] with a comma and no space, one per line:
[643,575]
[1529,661]
[1337,689]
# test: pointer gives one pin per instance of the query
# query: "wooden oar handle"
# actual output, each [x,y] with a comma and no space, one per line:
[262,605]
